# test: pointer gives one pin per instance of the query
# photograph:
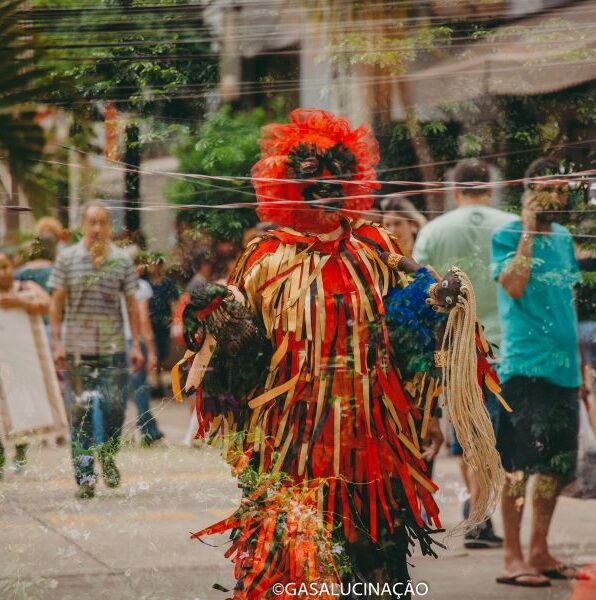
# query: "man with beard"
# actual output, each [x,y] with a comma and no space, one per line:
[533,261]
[88,281]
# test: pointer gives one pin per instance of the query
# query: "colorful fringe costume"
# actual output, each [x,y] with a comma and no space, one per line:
[320,375]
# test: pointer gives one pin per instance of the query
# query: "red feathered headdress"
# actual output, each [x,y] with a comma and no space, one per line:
[313,170]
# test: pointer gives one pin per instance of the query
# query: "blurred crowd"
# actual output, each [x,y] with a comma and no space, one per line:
[113,316]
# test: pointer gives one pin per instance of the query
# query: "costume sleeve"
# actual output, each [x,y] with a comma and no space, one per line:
[252,270]
[411,324]
[410,321]
[503,249]
[228,357]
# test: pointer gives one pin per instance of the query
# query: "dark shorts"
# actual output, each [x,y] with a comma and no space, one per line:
[541,434]
[493,406]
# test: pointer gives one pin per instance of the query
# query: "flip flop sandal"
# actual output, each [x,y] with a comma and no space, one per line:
[560,572]
[515,580]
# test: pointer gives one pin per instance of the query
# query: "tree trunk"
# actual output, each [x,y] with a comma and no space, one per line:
[63,188]
[132,160]
[13,220]
[433,201]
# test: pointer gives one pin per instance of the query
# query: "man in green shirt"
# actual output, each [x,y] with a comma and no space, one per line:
[462,237]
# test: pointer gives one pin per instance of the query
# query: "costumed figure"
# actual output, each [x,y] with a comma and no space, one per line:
[317,369]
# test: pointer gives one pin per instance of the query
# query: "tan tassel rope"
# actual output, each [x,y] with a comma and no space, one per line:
[465,400]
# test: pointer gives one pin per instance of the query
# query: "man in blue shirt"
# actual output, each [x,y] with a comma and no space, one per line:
[534,263]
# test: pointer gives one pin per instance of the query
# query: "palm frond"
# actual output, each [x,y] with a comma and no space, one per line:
[22,82]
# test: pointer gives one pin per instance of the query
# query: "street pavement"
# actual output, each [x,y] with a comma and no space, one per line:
[133,542]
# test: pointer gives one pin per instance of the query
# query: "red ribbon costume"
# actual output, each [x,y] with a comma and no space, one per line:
[332,432]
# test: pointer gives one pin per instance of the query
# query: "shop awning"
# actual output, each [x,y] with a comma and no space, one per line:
[545,53]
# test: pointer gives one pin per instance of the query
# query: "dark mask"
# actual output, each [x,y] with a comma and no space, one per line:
[307,163]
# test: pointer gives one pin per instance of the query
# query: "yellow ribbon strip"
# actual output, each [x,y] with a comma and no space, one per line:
[276,391]
[176,383]
[422,480]
[495,388]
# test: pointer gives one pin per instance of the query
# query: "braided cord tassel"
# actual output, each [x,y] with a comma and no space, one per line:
[466,404]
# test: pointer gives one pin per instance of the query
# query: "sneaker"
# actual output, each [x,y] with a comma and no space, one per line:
[147,440]
[20,459]
[17,467]
[481,537]
[111,474]
[491,532]
[85,491]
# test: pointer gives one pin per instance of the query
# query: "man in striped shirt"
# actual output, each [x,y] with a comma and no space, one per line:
[87,282]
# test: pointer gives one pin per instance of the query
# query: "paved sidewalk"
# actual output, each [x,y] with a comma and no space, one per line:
[133,542]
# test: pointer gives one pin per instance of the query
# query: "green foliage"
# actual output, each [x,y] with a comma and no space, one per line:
[510,131]
[149,60]
[560,124]
[225,145]
[399,159]
[21,139]
[155,62]
[392,53]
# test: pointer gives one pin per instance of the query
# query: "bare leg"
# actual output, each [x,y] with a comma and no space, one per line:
[465,473]
[512,506]
[544,500]
[471,483]
[590,379]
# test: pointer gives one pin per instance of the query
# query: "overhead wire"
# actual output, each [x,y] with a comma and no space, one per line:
[439,186]
[288,88]
[263,5]
[272,89]
[360,29]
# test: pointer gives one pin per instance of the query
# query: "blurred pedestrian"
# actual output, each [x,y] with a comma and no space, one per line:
[463,237]
[250,233]
[88,281]
[202,263]
[586,311]
[39,259]
[226,254]
[139,385]
[39,262]
[179,267]
[32,298]
[50,227]
[162,306]
[534,263]
[401,218]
